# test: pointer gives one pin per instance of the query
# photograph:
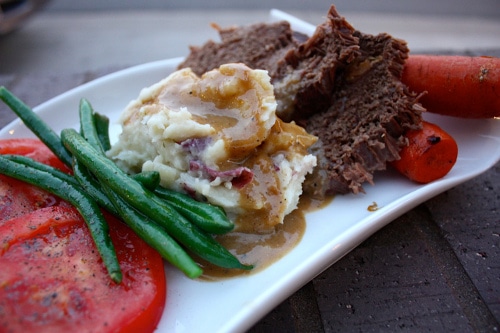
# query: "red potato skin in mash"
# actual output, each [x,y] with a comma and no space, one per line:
[52,278]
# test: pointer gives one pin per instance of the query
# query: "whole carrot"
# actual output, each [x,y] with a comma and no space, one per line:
[460,86]
[430,154]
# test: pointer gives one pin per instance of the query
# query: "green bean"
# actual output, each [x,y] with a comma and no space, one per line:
[155,236]
[87,124]
[148,179]
[36,125]
[146,229]
[145,201]
[46,179]
[149,231]
[90,184]
[207,217]
[86,179]
[89,189]
[42,167]
[94,127]
[102,127]
[80,179]
[84,204]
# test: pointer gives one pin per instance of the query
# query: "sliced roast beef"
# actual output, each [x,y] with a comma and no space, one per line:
[370,110]
[259,46]
[340,84]
[305,78]
[302,69]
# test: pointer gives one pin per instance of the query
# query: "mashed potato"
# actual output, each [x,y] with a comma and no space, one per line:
[218,138]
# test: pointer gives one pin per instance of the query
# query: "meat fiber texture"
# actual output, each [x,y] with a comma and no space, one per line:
[364,126]
[340,84]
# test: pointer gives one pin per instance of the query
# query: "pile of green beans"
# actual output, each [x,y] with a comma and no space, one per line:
[172,223]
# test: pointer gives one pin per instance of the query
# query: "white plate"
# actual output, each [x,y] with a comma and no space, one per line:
[234,305]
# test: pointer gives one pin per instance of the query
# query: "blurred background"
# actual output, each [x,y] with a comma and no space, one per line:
[73,35]
[480,8]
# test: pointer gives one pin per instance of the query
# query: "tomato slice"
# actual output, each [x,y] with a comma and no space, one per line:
[18,198]
[53,280]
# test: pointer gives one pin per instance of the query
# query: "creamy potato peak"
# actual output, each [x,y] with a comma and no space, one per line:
[217,137]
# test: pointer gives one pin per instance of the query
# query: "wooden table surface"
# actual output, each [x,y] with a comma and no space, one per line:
[436,268]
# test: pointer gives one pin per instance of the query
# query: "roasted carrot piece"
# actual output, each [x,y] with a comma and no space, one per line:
[460,86]
[430,154]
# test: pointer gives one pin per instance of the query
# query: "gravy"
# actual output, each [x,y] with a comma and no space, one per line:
[261,250]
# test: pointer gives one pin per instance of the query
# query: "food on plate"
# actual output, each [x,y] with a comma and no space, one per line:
[99,181]
[260,45]
[139,207]
[52,278]
[302,69]
[222,129]
[340,84]
[459,86]
[429,155]
[217,137]
[215,130]
[68,189]
[364,127]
